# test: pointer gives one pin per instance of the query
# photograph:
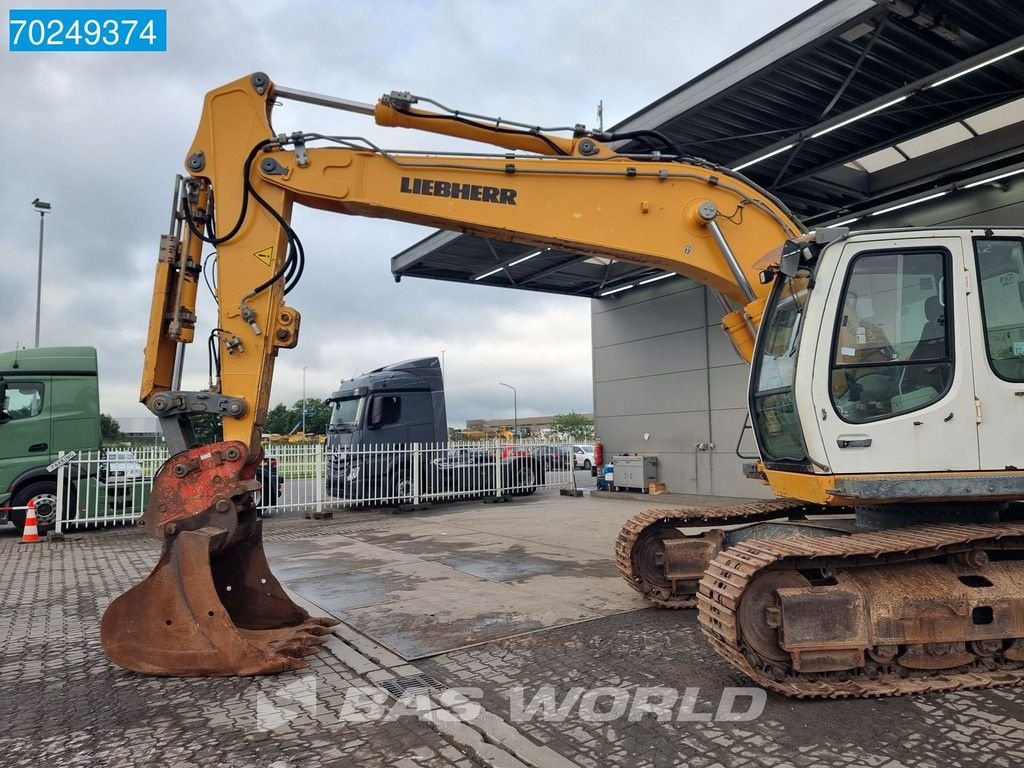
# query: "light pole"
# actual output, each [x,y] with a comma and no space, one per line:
[442,361]
[43,208]
[515,409]
[304,401]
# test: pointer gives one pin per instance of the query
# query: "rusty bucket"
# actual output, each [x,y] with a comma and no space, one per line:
[211,606]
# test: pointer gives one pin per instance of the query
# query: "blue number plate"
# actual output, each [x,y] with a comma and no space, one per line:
[87,30]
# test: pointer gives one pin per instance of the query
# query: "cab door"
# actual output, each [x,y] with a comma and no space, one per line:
[893,388]
[997,312]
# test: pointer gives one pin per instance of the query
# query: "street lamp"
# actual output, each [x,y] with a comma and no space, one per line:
[515,409]
[304,401]
[43,208]
[442,361]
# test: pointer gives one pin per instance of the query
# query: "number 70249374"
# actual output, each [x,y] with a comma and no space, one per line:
[66,30]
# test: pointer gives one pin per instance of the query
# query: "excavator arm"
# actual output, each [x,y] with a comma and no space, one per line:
[212,606]
[696,220]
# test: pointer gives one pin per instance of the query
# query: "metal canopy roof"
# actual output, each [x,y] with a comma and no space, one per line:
[852,108]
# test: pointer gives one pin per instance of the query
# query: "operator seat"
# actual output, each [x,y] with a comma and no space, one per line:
[931,348]
[932,344]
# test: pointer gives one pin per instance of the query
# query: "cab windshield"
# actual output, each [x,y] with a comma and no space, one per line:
[772,405]
[347,414]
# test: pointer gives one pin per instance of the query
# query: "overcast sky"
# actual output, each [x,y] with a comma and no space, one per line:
[101,136]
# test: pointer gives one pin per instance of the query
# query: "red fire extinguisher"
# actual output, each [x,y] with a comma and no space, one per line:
[598,457]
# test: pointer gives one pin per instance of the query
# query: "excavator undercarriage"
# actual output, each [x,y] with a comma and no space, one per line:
[812,606]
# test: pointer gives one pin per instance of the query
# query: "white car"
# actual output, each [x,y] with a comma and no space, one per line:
[120,466]
[584,456]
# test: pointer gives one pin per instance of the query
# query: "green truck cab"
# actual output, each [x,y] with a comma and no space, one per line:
[49,402]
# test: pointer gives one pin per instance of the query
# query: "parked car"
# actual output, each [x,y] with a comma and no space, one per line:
[584,456]
[273,485]
[464,470]
[554,457]
[120,467]
[511,450]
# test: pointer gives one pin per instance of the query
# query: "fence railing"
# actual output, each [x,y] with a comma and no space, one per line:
[367,475]
[99,488]
[108,487]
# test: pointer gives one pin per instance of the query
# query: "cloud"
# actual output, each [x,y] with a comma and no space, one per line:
[101,136]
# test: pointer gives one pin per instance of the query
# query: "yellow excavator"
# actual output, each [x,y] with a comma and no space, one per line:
[886,395]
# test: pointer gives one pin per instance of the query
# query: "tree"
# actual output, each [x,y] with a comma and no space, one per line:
[110,430]
[282,420]
[207,428]
[573,426]
[318,414]
[279,420]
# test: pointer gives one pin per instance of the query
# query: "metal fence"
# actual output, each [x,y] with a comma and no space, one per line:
[99,488]
[422,473]
[112,486]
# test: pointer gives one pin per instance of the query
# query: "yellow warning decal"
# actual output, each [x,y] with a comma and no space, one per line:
[266,255]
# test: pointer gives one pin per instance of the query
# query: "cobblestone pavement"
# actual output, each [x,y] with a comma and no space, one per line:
[656,648]
[63,703]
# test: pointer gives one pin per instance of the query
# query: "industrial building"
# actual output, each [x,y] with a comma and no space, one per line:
[859,113]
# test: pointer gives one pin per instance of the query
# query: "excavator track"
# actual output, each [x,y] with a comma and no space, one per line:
[730,575]
[640,541]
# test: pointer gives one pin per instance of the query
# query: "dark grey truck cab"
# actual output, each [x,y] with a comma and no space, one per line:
[387,442]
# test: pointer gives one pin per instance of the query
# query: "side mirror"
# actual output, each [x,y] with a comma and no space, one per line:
[789,264]
[4,415]
[376,412]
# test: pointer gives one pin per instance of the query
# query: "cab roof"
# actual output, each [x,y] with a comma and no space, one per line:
[49,360]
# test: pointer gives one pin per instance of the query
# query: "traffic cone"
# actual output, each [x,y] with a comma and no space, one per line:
[31,532]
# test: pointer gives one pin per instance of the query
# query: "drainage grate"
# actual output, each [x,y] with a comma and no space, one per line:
[411,685]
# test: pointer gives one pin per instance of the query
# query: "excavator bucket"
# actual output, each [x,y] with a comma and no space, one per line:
[211,606]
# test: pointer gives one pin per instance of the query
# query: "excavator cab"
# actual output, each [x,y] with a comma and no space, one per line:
[871,361]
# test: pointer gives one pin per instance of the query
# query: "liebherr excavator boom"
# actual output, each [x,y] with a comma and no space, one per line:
[887,369]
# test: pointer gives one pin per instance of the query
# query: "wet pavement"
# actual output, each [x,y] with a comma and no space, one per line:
[433,583]
[528,649]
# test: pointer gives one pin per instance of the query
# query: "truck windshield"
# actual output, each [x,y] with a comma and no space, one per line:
[772,404]
[347,414]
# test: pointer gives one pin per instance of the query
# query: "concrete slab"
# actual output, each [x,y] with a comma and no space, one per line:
[468,573]
[489,556]
[418,627]
[499,566]
[339,592]
[328,555]
[603,595]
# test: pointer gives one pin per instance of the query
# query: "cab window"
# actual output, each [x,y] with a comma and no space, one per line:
[24,400]
[773,405]
[891,350]
[1001,277]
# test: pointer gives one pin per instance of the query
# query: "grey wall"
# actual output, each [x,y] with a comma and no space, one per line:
[664,368]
